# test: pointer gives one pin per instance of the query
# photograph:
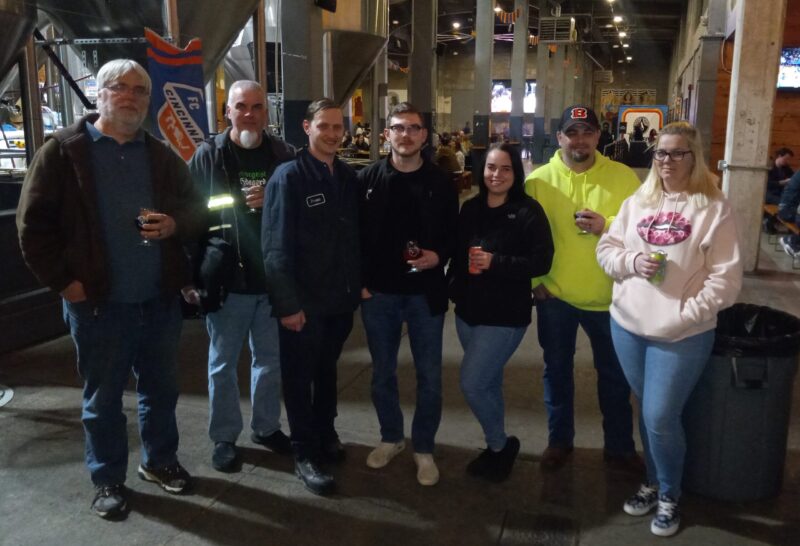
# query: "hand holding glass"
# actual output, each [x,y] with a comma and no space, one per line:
[411,251]
[143,220]
[249,189]
[579,216]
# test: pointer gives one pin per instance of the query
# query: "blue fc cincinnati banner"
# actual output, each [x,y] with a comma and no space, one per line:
[178,101]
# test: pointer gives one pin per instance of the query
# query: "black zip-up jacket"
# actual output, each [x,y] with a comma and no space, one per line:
[58,220]
[438,214]
[518,236]
[309,237]
[212,168]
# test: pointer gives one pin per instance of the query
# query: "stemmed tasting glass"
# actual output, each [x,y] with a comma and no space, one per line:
[141,221]
[411,251]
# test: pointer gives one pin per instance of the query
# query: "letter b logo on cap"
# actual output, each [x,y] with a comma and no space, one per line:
[579,113]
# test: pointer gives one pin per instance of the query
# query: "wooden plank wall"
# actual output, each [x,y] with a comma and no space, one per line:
[786,112]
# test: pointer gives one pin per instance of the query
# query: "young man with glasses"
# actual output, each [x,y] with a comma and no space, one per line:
[77,222]
[409,214]
[581,191]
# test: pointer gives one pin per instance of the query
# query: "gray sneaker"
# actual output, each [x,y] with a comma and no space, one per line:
[109,501]
[787,246]
[645,499]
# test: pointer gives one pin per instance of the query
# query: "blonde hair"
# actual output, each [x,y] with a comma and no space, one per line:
[703,184]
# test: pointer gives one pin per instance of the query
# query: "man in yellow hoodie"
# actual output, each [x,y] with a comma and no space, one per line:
[581,192]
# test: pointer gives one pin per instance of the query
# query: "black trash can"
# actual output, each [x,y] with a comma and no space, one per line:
[737,418]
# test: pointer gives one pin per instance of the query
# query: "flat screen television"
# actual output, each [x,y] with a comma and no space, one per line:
[789,70]
[501,97]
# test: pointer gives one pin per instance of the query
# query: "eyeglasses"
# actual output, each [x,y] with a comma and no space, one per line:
[410,130]
[138,91]
[674,155]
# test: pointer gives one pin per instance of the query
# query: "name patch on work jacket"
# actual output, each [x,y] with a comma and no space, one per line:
[315,200]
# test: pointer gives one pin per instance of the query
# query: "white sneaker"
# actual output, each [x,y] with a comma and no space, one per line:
[667,519]
[427,473]
[384,453]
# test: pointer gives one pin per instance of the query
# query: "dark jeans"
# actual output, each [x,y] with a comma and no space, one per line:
[308,373]
[383,316]
[557,323]
[111,340]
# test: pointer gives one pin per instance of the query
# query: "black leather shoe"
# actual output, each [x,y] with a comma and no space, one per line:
[277,442]
[333,452]
[315,480]
[223,459]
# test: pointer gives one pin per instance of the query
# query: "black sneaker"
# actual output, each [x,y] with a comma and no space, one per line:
[277,442]
[668,518]
[315,480]
[495,466]
[224,457]
[645,499]
[172,478]
[109,501]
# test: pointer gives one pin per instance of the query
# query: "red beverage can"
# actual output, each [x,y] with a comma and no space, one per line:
[472,251]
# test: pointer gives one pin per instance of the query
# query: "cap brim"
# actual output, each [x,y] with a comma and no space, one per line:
[570,125]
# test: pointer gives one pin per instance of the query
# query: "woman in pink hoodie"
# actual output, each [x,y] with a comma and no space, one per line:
[674,256]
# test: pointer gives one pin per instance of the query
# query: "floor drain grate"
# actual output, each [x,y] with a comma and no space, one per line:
[6,394]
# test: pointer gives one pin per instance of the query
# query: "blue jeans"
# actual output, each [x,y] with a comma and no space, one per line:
[243,316]
[111,340]
[486,351]
[383,316]
[662,376]
[557,324]
[308,371]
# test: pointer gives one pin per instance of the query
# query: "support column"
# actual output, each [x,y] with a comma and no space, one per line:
[380,89]
[755,71]
[519,58]
[541,124]
[555,90]
[569,64]
[484,52]
[31,102]
[301,59]
[260,44]
[706,85]
[422,74]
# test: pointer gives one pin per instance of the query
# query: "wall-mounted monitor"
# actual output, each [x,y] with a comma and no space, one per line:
[789,70]
[501,97]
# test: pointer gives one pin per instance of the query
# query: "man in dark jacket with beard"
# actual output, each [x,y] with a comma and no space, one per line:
[86,191]
[238,163]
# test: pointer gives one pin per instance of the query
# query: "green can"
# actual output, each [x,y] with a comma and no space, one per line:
[661,257]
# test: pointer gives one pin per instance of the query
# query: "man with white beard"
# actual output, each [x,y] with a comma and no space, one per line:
[237,163]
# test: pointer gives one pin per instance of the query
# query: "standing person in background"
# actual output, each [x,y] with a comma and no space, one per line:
[580,191]
[409,215]
[503,240]
[86,191]
[311,256]
[664,345]
[238,162]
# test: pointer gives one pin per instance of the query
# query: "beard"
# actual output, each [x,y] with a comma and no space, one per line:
[580,157]
[249,139]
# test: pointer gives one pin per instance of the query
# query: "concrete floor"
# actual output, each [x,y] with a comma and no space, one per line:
[45,490]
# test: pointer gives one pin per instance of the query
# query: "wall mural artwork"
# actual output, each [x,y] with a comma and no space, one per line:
[612,99]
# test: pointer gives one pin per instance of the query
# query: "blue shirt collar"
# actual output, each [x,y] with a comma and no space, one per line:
[96,135]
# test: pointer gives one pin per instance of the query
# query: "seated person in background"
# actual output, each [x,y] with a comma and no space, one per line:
[360,143]
[779,175]
[459,154]
[445,156]
[347,139]
[787,211]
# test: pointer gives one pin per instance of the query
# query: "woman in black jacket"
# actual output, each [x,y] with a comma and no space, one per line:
[503,241]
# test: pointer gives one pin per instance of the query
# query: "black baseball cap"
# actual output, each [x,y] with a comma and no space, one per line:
[578,113]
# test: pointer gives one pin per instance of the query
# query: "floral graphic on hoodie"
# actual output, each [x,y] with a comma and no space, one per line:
[664,228]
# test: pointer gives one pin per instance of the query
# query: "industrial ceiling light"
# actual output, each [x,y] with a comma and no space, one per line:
[620,61]
[622,33]
[395,22]
[497,9]
[615,46]
[456,25]
[609,25]
[617,19]
[626,45]
[629,58]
